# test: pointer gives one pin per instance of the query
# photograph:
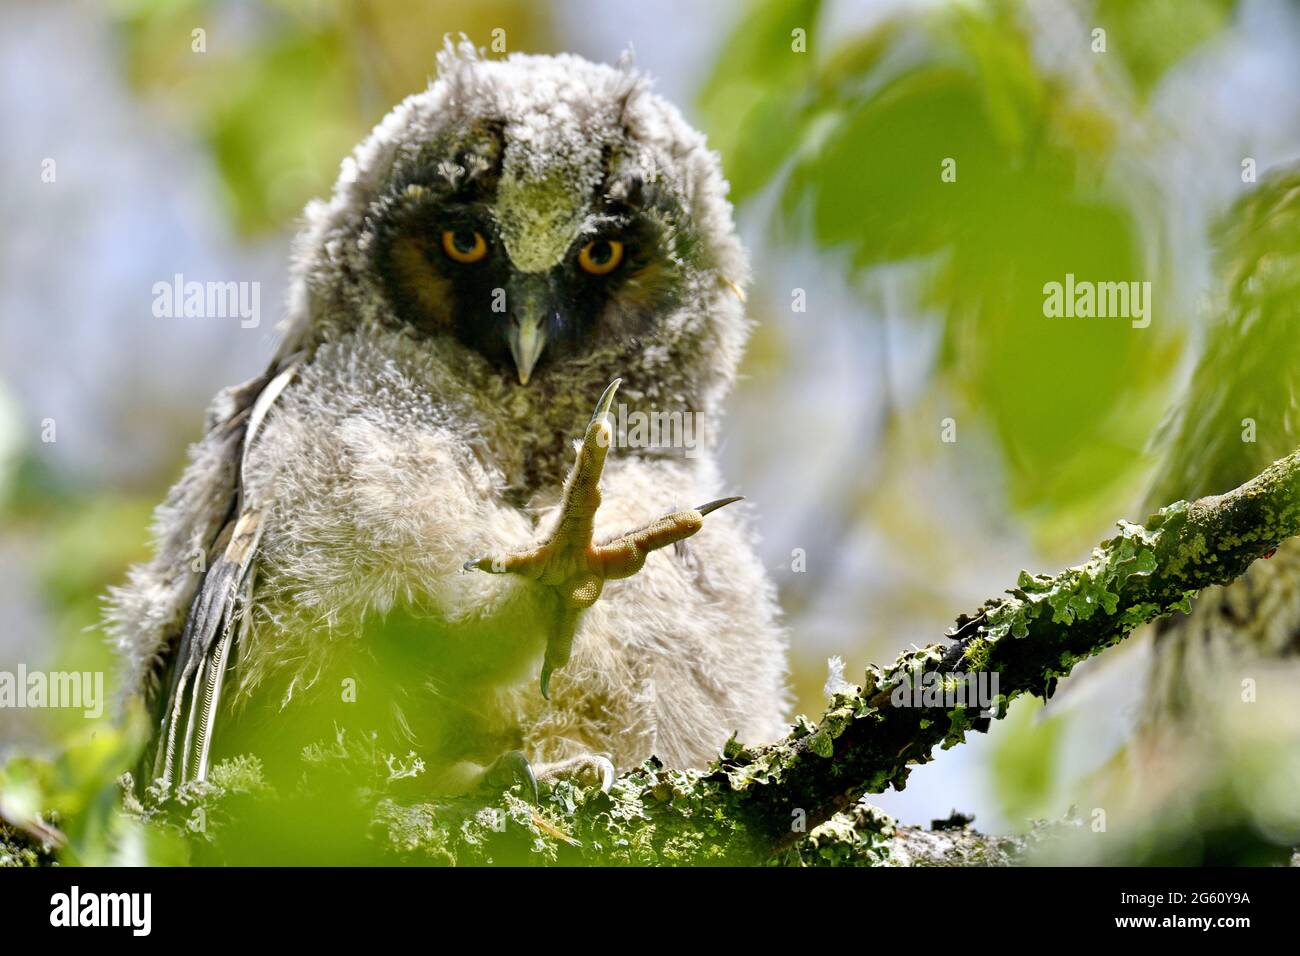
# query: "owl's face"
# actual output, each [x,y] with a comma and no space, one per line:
[533,253]
[535,227]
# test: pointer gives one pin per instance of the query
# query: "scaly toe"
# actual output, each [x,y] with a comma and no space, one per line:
[586,769]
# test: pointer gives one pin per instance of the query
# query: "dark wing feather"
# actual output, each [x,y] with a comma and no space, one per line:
[215,619]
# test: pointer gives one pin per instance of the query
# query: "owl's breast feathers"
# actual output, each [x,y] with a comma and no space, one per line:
[369,478]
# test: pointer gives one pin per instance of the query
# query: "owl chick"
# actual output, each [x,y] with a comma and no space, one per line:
[503,247]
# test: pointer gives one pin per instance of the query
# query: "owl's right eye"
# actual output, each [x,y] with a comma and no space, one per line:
[464,245]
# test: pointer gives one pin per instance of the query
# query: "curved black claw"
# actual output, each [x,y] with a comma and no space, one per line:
[606,400]
[511,768]
[720,503]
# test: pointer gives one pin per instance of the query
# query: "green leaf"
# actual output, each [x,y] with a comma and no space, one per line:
[751,105]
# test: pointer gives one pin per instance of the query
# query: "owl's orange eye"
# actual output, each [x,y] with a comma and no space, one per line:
[464,245]
[601,256]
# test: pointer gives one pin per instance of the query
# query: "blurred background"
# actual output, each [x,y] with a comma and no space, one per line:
[146,138]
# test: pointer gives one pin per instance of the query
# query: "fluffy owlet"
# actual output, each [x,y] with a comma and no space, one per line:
[525,241]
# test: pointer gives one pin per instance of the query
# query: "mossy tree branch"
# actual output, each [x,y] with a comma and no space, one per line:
[746,808]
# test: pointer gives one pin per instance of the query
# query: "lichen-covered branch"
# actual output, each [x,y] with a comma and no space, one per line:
[757,802]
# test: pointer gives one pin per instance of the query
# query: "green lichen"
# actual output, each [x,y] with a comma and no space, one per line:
[977,654]
[18,849]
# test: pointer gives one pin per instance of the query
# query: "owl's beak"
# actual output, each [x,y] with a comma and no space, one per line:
[527,338]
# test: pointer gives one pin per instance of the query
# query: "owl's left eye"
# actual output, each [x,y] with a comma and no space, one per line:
[464,245]
[601,256]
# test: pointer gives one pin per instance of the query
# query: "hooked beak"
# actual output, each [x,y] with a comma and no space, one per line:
[527,338]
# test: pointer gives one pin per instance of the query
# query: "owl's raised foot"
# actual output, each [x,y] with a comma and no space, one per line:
[570,561]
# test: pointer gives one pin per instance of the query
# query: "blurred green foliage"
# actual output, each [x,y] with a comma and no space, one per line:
[1025,762]
[1153,35]
[853,135]
[76,792]
[283,89]
[1247,380]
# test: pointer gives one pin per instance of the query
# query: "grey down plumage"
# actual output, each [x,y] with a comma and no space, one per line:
[330,505]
